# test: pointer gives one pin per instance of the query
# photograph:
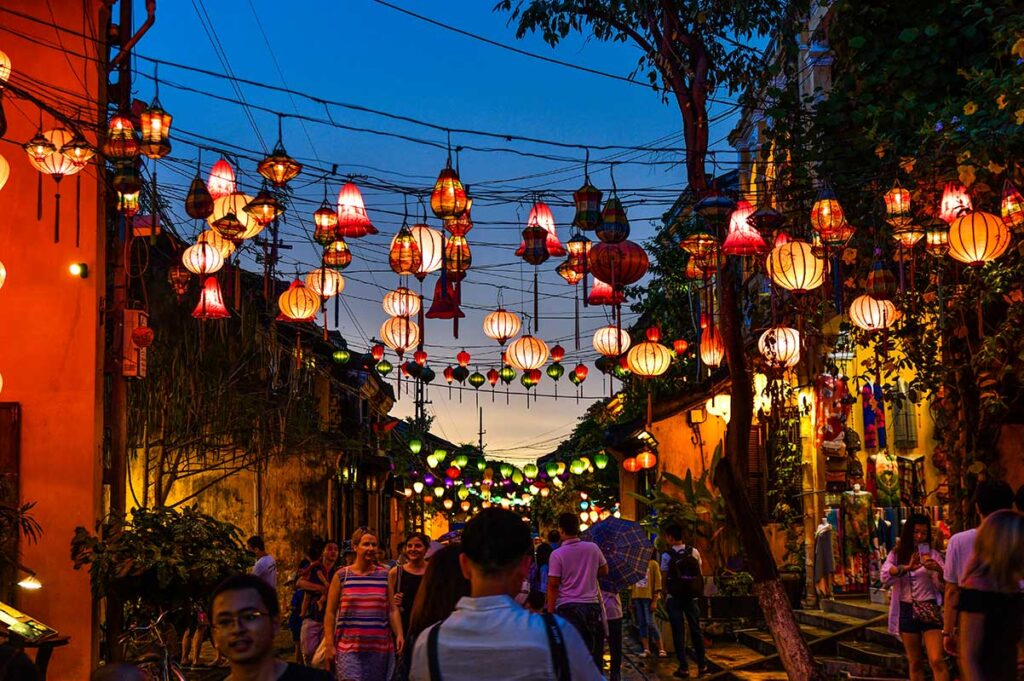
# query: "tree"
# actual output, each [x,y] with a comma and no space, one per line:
[692,47]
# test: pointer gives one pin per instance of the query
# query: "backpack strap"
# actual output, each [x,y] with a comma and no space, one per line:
[433,660]
[556,644]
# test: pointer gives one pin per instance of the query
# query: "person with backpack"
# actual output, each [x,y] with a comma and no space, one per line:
[489,636]
[684,584]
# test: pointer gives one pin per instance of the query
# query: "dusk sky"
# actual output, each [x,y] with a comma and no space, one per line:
[366,54]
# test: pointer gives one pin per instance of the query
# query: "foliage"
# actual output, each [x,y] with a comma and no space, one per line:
[734,584]
[164,559]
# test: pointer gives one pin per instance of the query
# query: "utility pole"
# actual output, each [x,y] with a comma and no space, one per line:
[482,432]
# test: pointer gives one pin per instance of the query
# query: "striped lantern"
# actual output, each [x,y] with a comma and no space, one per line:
[614,225]
[404,255]
[527,353]
[588,207]
[794,267]
[620,264]
[199,201]
[298,304]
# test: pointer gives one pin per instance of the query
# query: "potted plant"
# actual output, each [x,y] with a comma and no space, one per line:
[733,599]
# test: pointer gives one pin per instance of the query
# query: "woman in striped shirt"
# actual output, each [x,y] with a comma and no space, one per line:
[360,619]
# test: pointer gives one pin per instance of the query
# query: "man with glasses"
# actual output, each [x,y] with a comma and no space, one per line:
[245,617]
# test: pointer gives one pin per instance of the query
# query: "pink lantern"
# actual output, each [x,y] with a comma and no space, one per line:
[541,215]
[352,218]
[742,238]
[222,180]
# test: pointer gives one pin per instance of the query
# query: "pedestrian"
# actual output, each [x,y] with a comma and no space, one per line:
[488,636]
[683,580]
[644,598]
[989,496]
[914,571]
[246,616]
[541,564]
[265,567]
[613,619]
[316,584]
[573,591]
[297,605]
[405,578]
[361,625]
[991,603]
[442,587]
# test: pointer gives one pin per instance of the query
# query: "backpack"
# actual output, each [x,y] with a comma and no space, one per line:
[684,577]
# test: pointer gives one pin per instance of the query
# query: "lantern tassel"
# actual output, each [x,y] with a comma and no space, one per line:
[78,210]
[536,303]
[337,311]
[650,410]
[56,217]
[837,283]
[39,197]
[238,287]
[578,316]
[325,320]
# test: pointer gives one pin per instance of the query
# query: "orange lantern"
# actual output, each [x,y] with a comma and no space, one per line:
[978,237]
[680,347]
[794,267]
[631,465]
[211,304]
[742,238]
[712,347]
[527,353]
[649,359]
[156,131]
[222,180]
[1012,207]
[601,293]
[448,199]
[121,144]
[897,206]
[955,201]
[569,272]
[611,341]
[279,168]
[337,255]
[463,358]
[501,325]
[620,264]
[402,302]
[780,346]
[431,245]
[298,304]
[826,214]
[645,460]
[404,256]
[872,314]
[457,258]
[353,222]
[461,223]
[202,258]
[325,224]
[211,237]
[400,334]
[265,208]
[325,282]
[230,220]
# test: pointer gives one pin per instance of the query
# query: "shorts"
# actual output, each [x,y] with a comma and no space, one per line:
[908,625]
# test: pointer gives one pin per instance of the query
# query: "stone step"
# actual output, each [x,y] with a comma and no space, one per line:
[762,641]
[880,635]
[827,620]
[873,654]
[851,670]
[854,607]
[759,676]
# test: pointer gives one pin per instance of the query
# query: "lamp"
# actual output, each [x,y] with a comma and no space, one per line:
[29,581]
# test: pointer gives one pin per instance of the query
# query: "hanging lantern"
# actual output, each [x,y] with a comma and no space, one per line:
[325,282]
[211,304]
[457,258]
[614,226]
[630,465]
[463,358]
[128,204]
[341,356]
[265,208]
[461,223]
[298,304]
[155,130]
[493,377]
[534,249]
[404,256]
[587,200]
[1011,207]
[881,283]
[78,150]
[230,220]
[221,182]
[460,374]
[5,171]
[742,238]
[937,239]
[907,234]
[897,206]
[794,267]
[780,346]
[579,254]
[427,375]
[715,209]
[569,272]
[829,220]
[501,325]
[540,215]
[449,196]
[766,220]
[449,374]
[444,304]
[178,277]
[977,238]
[620,264]
[199,202]
[611,341]
[402,302]
[325,225]
[211,237]
[506,374]
[645,460]
[703,249]
[680,347]
[202,259]
[126,178]
[353,222]
[529,380]
[649,359]
[555,371]
[420,357]
[956,202]
[431,246]
[712,347]
[121,144]
[602,293]
[337,255]
[39,148]
[476,379]
[384,367]
[400,334]
[872,314]
[557,353]
[527,353]
[581,372]
[279,168]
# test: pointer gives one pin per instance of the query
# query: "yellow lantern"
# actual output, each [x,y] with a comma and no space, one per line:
[527,353]
[937,239]
[211,237]
[325,282]
[5,171]
[872,314]
[400,334]
[402,302]
[611,341]
[649,359]
[501,325]
[448,199]
[231,221]
[202,259]
[720,405]
[780,346]
[712,347]
[978,237]
[794,267]
[298,303]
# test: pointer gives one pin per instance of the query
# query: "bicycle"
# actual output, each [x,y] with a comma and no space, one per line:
[146,648]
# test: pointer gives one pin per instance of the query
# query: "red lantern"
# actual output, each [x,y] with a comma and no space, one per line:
[142,336]
[680,347]
[457,258]
[353,222]
[557,353]
[581,371]
[404,257]
[453,472]
[492,377]
[646,460]
[211,304]
[444,304]
[377,352]
[462,223]
[222,180]
[449,374]
[463,358]
[121,145]
[743,238]
[619,264]
[614,225]
[603,294]
[956,202]
[420,357]
[630,465]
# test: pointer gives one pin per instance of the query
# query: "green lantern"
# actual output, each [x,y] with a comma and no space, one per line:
[440,455]
[415,445]
[530,470]
[432,461]
[506,469]
[384,367]
[620,372]
[517,476]
[476,379]
[600,460]
[461,460]
[507,374]
[577,467]
[575,378]
[481,465]
[555,371]
[552,469]
[342,356]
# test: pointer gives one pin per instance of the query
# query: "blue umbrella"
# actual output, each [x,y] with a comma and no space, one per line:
[626,548]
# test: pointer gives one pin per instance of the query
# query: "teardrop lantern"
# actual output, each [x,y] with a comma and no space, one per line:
[221,182]
[199,201]
[449,196]
[587,200]
[712,347]
[404,256]
[614,225]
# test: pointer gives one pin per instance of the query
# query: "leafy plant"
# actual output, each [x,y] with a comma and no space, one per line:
[164,559]
[734,584]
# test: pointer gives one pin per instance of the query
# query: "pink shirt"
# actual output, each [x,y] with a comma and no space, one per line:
[920,585]
[576,564]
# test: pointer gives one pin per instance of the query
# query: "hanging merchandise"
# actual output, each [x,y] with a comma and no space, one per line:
[211,304]
[715,209]
[279,168]
[614,225]
[743,238]
[155,130]
[202,259]
[457,258]
[444,304]
[221,182]
[872,314]
[353,221]
[587,200]
[404,254]
[649,358]
[265,208]
[199,201]
[703,249]
[461,223]
[298,304]
[179,277]
[766,220]
[211,237]
[937,238]
[568,272]
[535,252]
[231,221]
[881,283]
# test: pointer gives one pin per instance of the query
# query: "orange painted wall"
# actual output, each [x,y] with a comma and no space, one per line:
[50,337]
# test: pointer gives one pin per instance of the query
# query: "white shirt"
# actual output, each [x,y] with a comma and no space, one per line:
[493,637]
[958,556]
[266,569]
[665,559]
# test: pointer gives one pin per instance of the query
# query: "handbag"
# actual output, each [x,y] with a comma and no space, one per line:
[926,612]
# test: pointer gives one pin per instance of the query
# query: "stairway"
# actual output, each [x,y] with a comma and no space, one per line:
[867,653]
